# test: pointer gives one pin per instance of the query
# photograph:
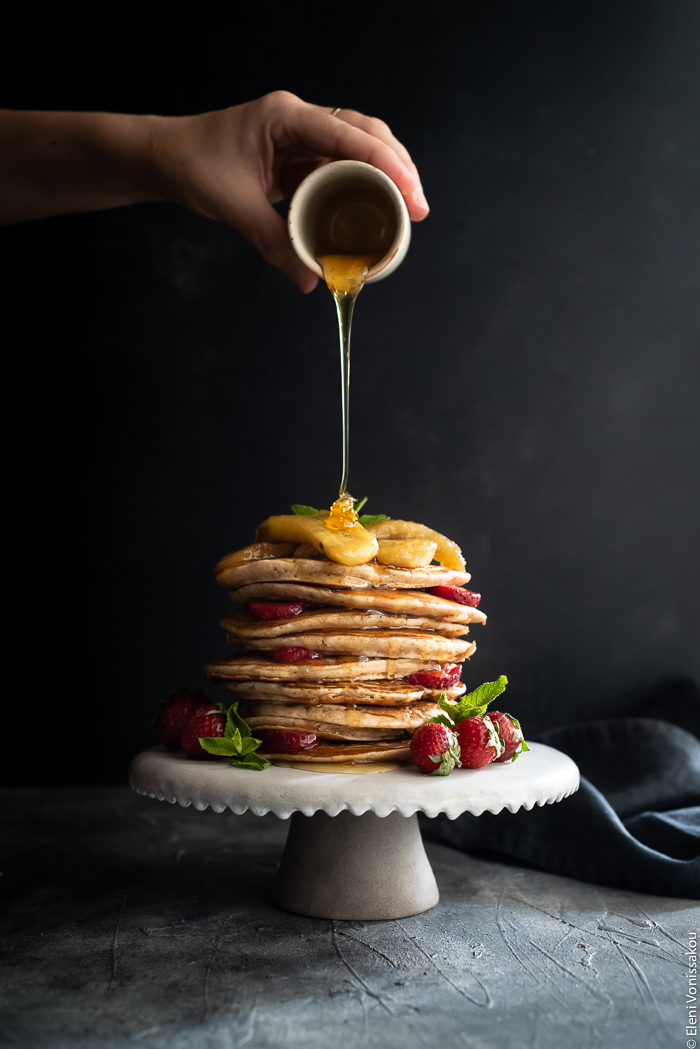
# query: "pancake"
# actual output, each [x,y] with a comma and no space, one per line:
[307,570]
[332,668]
[345,752]
[324,730]
[383,693]
[240,623]
[393,644]
[400,602]
[402,719]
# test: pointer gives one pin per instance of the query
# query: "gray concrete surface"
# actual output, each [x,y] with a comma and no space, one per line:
[130,922]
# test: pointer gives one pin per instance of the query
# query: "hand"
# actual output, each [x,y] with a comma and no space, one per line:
[233,164]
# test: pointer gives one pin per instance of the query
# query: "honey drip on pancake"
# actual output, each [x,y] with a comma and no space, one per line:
[345,276]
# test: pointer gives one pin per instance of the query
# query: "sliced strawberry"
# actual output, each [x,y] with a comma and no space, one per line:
[434,749]
[277,609]
[458,594]
[445,678]
[282,741]
[452,673]
[479,742]
[426,678]
[204,722]
[172,717]
[295,654]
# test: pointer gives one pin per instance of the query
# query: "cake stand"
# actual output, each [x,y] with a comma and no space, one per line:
[354,850]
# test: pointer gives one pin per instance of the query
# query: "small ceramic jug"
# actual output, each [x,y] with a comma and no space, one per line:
[371,193]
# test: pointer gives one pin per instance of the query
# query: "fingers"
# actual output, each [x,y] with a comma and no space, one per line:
[378,128]
[314,129]
[381,130]
[262,227]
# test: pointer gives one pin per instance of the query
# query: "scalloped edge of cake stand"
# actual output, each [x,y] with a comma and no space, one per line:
[539,777]
[354,850]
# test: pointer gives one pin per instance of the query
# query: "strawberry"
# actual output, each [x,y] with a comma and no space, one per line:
[456,593]
[280,741]
[295,654]
[445,678]
[277,609]
[207,721]
[482,737]
[511,734]
[174,715]
[435,749]
[479,741]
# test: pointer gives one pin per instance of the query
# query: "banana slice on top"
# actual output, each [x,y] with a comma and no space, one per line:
[256,552]
[447,552]
[406,553]
[345,546]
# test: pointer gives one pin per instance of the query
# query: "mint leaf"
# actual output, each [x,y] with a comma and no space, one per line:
[249,745]
[366,519]
[255,763]
[486,693]
[303,511]
[441,719]
[359,503]
[445,704]
[474,705]
[235,723]
[219,745]
[237,743]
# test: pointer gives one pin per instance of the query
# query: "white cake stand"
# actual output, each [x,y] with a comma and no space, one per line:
[354,849]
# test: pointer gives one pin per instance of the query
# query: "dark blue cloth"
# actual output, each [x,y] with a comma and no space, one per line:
[635,821]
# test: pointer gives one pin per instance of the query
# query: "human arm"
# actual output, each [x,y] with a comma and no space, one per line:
[231,165]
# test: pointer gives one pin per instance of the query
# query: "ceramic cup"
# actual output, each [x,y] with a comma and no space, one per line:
[322,185]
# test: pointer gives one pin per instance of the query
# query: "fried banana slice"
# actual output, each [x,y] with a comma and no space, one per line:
[447,552]
[256,552]
[406,553]
[346,546]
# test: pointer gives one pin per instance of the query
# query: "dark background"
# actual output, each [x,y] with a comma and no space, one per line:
[527,382]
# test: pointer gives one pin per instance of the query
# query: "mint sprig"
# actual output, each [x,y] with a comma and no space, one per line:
[310,511]
[474,705]
[366,519]
[236,742]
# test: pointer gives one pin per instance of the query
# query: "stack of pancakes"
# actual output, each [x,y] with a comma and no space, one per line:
[375,625]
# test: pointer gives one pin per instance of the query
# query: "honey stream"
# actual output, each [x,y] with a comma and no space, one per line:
[345,276]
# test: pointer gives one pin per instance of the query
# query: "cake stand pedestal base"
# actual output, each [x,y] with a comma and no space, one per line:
[355,868]
[354,850]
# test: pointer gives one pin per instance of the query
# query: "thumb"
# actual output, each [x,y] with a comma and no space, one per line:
[267,232]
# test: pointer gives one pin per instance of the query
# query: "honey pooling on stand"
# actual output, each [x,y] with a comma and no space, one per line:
[353,231]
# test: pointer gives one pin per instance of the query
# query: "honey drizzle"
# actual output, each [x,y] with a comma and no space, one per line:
[345,276]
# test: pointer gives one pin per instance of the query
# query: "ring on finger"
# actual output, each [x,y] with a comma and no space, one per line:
[334,112]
